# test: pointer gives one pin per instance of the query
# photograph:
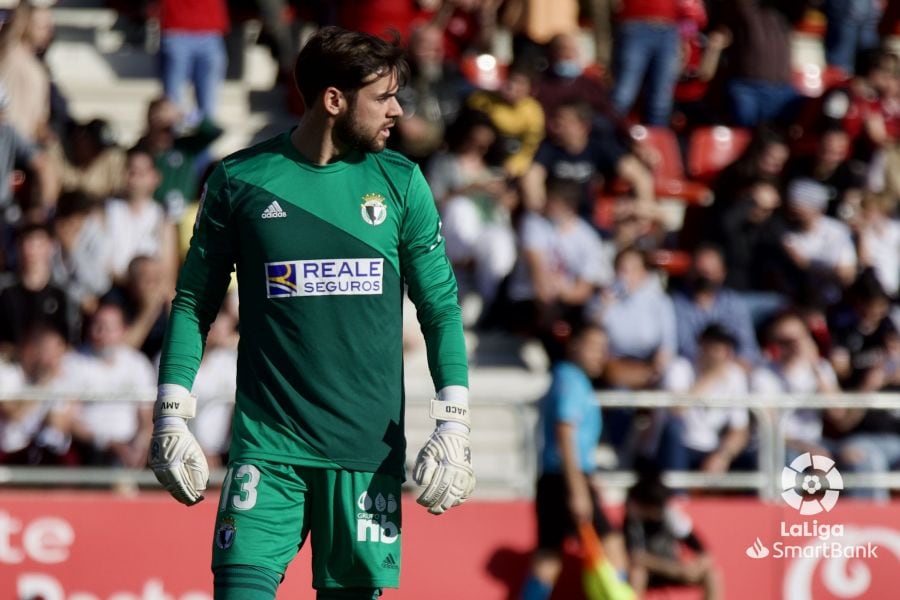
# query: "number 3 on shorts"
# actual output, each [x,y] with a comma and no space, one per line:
[247,476]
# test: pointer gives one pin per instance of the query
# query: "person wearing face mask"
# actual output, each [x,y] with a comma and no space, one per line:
[705,301]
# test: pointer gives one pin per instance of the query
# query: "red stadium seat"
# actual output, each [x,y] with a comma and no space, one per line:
[711,149]
[483,71]
[668,170]
[812,80]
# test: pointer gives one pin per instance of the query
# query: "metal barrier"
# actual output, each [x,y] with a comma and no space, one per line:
[768,410]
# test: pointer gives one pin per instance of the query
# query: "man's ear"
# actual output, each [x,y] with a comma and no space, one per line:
[333,101]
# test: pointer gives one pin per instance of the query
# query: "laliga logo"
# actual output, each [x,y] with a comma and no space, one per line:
[810,466]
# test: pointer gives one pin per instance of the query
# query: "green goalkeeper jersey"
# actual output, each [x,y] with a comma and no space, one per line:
[322,254]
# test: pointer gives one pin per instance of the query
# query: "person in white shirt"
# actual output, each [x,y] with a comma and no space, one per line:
[137,225]
[696,437]
[794,366]
[878,241]
[115,432]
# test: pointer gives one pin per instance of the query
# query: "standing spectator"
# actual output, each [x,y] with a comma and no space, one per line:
[819,247]
[115,433]
[192,49]
[795,367]
[145,300]
[705,301]
[517,116]
[573,154]
[565,497]
[639,318]
[21,38]
[179,158]
[647,45]
[433,97]
[712,440]
[32,298]
[81,258]
[759,86]
[136,225]
[852,27]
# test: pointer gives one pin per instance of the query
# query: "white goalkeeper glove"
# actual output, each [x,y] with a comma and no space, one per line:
[175,456]
[444,465]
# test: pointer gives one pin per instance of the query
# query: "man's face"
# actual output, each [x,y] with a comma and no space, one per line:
[107,328]
[365,124]
[568,128]
[141,175]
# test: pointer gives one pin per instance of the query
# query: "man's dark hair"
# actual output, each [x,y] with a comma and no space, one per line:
[33,227]
[715,333]
[583,110]
[74,202]
[649,490]
[336,57]
[564,190]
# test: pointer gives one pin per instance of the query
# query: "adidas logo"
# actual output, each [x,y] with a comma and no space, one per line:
[389,563]
[274,211]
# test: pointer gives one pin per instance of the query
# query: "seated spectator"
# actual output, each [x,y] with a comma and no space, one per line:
[475,203]
[145,300]
[764,159]
[861,333]
[114,433]
[565,497]
[39,431]
[31,297]
[831,166]
[517,116]
[794,366]
[92,163]
[878,241]
[179,158]
[80,260]
[639,319]
[136,225]
[705,301]
[432,98]
[655,532]
[712,440]
[562,263]
[215,385]
[820,248]
[573,154]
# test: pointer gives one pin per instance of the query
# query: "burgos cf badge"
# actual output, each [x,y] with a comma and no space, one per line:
[225,534]
[374,210]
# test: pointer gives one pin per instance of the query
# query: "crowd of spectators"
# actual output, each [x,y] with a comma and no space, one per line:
[554,176]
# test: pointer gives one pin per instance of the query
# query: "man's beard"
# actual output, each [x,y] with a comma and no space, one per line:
[350,134]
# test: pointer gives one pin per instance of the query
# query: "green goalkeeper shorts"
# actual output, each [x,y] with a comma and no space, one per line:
[266,511]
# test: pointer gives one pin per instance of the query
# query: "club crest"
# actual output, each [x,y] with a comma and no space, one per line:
[373,208]
[226,533]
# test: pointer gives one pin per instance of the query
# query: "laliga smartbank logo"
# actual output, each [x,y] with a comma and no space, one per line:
[811,484]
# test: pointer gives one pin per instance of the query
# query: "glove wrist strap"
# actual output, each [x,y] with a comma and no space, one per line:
[182,405]
[443,410]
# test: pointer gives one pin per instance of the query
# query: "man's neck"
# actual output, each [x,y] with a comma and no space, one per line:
[36,280]
[314,140]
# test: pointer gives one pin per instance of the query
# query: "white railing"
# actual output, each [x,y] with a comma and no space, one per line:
[768,410]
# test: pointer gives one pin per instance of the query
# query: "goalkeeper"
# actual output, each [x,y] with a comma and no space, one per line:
[324,228]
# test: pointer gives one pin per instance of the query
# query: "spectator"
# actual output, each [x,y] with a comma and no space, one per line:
[640,321]
[573,154]
[27,31]
[655,531]
[82,253]
[759,85]
[764,159]
[475,202]
[92,163]
[192,48]
[565,498]
[136,225]
[831,166]
[179,159]
[145,301]
[705,301]
[215,385]
[31,298]
[115,433]
[712,440]
[878,241]
[852,27]
[794,366]
[534,23]
[433,97]
[647,45]
[820,248]
[517,117]
[861,335]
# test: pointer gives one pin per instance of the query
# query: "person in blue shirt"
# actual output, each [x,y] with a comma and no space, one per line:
[571,424]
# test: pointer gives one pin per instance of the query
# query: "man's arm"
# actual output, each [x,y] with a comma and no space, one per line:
[580,504]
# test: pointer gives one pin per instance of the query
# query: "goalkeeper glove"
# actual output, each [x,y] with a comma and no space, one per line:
[175,456]
[444,465]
